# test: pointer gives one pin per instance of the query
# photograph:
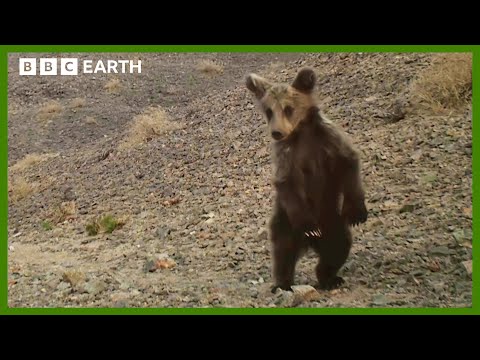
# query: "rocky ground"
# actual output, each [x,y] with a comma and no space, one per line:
[185,213]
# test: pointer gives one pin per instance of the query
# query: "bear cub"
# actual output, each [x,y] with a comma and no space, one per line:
[319,192]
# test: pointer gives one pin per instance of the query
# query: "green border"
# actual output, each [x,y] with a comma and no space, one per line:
[475,170]
[4,50]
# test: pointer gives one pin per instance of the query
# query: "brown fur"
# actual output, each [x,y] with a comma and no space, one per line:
[317,181]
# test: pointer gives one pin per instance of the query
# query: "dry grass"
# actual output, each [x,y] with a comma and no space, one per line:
[210,67]
[113,86]
[106,224]
[151,123]
[446,84]
[64,211]
[77,103]
[30,160]
[49,110]
[19,188]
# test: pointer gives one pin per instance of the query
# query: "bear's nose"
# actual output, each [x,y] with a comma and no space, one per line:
[277,135]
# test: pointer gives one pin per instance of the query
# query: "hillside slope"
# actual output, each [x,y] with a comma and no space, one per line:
[197,193]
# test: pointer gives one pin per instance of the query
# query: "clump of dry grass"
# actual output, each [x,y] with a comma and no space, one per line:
[77,103]
[446,84]
[64,211]
[19,188]
[106,224]
[30,160]
[210,67]
[113,86]
[151,123]
[49,110]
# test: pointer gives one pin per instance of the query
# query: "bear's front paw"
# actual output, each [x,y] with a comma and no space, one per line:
[355,213]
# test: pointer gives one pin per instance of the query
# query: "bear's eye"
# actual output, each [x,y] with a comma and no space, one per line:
[269,113]
[288,111]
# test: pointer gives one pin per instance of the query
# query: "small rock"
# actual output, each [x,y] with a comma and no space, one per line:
[350,266]
[253,293]
[209,221]
[63,286]
[438,287]
[120,304]
[124,285]
[468,267]
[162,261]
[377,223]
[304,293]
[69,194]
[380,300]
[95,287]
[434,266]
[440,250]
[262,152]
[416,155]
[428,178]
[407,208]
[208,216]
[463,237]
[467,212]
[395,112]
[150,266]
[73,277]
[162,232]
[413,279]
[262,234]
[418,273]
[283,298]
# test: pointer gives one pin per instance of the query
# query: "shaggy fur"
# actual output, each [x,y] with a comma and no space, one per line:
[317,181]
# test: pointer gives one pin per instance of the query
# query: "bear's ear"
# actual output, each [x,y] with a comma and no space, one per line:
[257,85]
[305,80]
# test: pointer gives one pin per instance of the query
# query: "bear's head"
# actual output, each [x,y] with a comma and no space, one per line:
[284,105]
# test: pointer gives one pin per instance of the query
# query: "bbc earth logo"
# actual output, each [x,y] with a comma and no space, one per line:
[71,66]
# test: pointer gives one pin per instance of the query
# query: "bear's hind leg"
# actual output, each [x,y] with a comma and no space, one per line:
[287,245]
[333,249]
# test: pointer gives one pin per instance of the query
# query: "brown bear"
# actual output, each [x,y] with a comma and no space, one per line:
[319,192]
